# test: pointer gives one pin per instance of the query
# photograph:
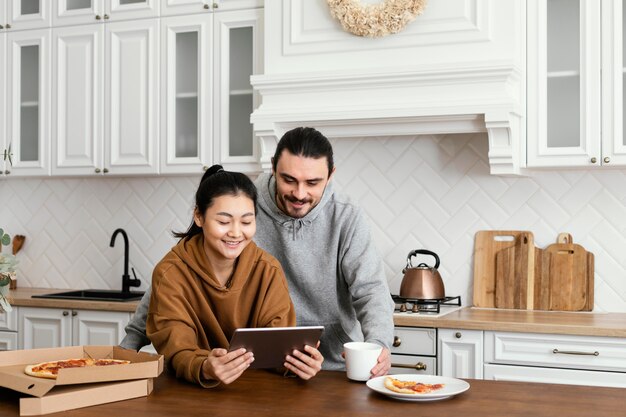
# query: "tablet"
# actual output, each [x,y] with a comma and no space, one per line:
[271,345]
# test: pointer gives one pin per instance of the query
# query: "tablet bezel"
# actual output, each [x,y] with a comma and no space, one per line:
[270,345]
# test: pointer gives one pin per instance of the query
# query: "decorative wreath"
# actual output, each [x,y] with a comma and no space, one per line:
[375,20]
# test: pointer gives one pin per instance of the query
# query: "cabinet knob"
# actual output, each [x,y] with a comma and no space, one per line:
[66,313]
[206,6]
[106,17]
[215,5]
[458,335]
[74,313]
[97,170]
[594,160]
[98,17]
[396,341]
[606,159]
[105,170]
[204,168]
[1,27]
[8,26]
[7,172]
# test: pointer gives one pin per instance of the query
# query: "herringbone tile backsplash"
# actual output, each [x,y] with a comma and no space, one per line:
[430,192]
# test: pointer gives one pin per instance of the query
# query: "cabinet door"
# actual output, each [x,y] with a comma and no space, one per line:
[131,9]
[98,327]
[8,320]
[460,353]
[28,14]
[77,97]
[4,143]
[178,7]
[613,77]
[554,376]
[8,341]
[44,328]
[238,45]
[76,12]
[186,94]
[564,88]
[28,91]
[131,97]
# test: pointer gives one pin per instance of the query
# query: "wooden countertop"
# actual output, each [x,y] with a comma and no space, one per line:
[22,297]
[558,322]
[259,393]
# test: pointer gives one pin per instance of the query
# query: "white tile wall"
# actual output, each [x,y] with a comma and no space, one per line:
[429,192]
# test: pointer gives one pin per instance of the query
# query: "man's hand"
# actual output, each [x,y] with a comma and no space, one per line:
[383,365]
[303,365]
[224,366]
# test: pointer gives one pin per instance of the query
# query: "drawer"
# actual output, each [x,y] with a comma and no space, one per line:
[414,341]
[8,321]
[409,364]
[556,351]
[554,376]
[8,341]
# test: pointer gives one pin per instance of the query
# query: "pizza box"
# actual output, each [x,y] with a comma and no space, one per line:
[70,397]
[12,363]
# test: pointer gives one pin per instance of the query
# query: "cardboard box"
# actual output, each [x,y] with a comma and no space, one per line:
[78,387]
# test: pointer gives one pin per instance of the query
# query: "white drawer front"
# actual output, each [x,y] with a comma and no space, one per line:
[414,341]
[8,341]
[409,364]
[554,376]
[8,321]
[557,351]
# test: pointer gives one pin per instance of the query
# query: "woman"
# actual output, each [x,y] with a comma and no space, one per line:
[216,280]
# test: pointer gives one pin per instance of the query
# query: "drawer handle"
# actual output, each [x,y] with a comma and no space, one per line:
[396,341]
[420,366]
[575,352]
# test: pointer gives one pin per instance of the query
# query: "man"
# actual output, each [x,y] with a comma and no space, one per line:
[335,275]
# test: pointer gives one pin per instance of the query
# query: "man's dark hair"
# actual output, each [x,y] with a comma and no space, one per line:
[307,142]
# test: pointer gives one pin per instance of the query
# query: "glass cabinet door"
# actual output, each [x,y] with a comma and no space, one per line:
[238,43]
[179,7]
[28,14]
[613,83]
[116,10]
[74,12]
[28,95]
[186,122]
[564,99]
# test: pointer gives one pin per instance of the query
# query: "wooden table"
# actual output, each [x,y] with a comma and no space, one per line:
[259,393]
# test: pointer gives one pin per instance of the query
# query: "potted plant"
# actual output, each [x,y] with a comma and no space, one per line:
[8,265]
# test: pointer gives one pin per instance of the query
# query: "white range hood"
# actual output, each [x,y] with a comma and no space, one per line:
[320,84]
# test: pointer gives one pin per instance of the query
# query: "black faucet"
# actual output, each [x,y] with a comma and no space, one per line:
[127,282]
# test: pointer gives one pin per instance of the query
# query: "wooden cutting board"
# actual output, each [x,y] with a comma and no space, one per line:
[487,243]
[521,276]
[571,272]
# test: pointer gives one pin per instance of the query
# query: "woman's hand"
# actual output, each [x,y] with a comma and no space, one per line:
[224,366]
[303,365]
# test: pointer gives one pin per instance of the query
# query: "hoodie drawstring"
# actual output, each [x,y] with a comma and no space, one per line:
[297,225]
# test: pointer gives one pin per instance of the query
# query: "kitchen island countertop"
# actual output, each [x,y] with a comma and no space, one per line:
[22,297]
[261,393]
[526,321]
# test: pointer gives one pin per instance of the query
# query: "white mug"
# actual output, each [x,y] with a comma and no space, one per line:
[361,357]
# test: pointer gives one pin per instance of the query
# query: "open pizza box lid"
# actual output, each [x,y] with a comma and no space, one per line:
[12,363]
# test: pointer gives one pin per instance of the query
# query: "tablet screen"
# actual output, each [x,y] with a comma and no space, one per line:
[270,345]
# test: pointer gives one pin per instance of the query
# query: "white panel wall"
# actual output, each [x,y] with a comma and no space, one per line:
[433,192]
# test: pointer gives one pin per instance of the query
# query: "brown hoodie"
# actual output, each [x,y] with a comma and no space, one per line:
[191,312]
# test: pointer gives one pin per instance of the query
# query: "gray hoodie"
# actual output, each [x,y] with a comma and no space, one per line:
[335,274]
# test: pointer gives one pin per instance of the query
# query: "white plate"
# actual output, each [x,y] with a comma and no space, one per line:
[452,386]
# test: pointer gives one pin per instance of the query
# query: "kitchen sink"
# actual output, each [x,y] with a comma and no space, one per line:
[99,295]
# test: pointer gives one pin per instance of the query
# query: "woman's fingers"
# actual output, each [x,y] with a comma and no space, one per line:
[227,366]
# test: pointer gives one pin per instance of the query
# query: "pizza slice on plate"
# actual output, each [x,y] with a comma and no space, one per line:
[50,369]
[410,387]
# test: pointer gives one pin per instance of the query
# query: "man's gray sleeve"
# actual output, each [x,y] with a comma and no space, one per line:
[136,329]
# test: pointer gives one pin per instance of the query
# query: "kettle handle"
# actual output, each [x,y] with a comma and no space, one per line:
[422,252]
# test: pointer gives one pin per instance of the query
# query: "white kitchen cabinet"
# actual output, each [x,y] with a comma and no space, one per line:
[53,327]
[207,97]
[27,87]
[575,85]
[76,12]
[180,7]
[460,353]
[4,143]
[105,96]
[414,351]
[26,14]
[8,330]
[551,358]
